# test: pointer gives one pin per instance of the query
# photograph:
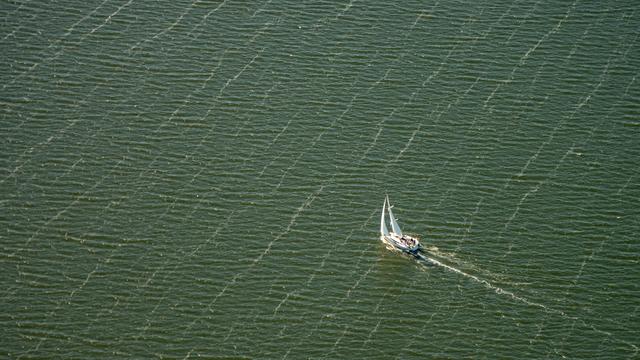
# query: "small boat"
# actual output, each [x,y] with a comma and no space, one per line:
[396,240]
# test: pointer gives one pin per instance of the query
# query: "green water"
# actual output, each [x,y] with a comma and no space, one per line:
[204,179]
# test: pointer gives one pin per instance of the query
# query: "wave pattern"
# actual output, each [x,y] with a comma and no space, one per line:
[203,178]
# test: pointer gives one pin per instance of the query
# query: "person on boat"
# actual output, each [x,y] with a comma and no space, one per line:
[406,241]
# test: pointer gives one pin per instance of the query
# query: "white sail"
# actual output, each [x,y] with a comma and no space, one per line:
[394,224]
[383,225]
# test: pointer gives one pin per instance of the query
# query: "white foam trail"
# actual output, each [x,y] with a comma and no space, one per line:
[204,19]
[551,32]
[52,45]
[261,8]
[487,284]
[173,25]
[108,19]
[275,311]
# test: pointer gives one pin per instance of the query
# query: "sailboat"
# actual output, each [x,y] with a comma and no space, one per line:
[395,239]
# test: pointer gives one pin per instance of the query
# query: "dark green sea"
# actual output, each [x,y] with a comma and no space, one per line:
[204,179]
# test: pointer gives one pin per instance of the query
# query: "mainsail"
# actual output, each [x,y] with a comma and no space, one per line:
[394,224]
[383,225]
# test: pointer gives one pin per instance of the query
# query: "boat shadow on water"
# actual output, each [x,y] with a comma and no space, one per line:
[422,258]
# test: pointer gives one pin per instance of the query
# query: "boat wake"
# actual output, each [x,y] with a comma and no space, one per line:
[422,258]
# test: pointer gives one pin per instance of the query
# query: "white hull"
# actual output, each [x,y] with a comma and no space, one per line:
[406,244]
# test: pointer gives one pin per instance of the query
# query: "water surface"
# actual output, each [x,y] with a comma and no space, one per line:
[204,178]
